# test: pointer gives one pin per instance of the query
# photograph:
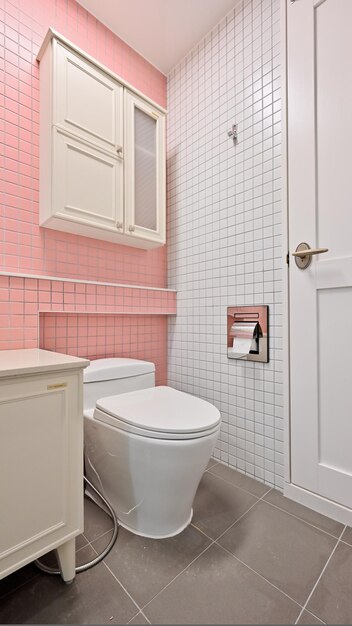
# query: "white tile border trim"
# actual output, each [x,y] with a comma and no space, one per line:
[85,282]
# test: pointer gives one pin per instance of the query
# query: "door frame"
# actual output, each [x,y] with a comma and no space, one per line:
[294,492]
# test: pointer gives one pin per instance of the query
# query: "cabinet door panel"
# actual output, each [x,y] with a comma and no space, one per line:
[41,465]
[87,101]
[87,183]
[33,466]
[144,170]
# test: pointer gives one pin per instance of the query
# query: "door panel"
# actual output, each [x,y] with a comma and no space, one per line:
[87,183]
[320,213]
[334,379]
[87,100]
[334,133]
[34,465]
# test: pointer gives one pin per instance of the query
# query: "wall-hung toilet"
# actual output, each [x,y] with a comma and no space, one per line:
[146,447]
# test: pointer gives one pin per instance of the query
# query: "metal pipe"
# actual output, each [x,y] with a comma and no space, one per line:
[85,566]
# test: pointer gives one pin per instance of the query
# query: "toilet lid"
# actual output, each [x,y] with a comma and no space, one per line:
[162,409]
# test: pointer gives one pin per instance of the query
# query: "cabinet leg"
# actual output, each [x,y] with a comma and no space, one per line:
[66,555]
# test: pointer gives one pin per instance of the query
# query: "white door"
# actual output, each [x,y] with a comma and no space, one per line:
[145,195]
[320,214]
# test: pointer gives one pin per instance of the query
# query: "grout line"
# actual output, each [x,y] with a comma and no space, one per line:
[202,532]
[321,574]
[212,465]
[311,613]
[125,590]
[179,574]
[233,523]
[213,541]
[119,582]
[133,617]
[101,536]
[139,613]
[302,520]
[237,487]
[241,517]
[260,575]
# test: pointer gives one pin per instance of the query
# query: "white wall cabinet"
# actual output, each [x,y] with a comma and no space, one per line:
[41,457]
[102,151]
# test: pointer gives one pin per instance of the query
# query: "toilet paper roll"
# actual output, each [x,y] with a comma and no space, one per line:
[241,346]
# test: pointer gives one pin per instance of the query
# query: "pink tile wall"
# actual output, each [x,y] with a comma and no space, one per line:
[26,248]
[97,336]
[25,303]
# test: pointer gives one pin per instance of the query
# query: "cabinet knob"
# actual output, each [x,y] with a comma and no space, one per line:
[119,224]
[119,151]
[131,228]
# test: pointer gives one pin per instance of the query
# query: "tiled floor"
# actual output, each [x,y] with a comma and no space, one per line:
[250,556]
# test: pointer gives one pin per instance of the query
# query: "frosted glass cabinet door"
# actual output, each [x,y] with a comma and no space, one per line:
[145,201]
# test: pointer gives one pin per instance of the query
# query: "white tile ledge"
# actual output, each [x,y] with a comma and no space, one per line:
[85,282]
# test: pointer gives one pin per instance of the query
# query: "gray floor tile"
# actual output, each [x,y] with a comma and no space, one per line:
[240,480]
[18,578]
[81,541]
[321,521]
[308,618]
[95,597]
[23,575]
[96,521]
[212,463]
[139,619]
[218,504]
[217,589]
[145,566]
[285,550]
[347,535]
[332,598]
[85,554]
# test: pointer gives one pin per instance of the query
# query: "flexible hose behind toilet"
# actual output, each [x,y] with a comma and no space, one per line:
[103,554]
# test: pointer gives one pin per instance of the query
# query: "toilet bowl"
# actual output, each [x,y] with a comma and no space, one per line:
[146,447]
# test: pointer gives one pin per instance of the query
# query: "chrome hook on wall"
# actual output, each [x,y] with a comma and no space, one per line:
[233,133]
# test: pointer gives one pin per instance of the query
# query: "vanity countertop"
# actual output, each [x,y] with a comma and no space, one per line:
[33,361]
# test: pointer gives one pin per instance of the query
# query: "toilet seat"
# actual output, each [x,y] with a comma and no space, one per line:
[159,412]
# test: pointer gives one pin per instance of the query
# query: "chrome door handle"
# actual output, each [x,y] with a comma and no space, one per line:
[303,254]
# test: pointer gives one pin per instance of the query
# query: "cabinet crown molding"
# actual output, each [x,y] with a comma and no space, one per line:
[54,34]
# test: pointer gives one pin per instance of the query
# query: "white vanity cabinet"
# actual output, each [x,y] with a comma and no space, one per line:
[102,151]
[41,457]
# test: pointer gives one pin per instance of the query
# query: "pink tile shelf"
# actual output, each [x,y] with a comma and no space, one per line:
[23,299]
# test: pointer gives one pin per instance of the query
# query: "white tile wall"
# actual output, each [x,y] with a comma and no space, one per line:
[225,225]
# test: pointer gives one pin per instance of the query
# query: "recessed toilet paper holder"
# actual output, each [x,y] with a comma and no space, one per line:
[247,333]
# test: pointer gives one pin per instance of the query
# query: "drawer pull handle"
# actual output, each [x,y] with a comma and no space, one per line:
[57,386]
